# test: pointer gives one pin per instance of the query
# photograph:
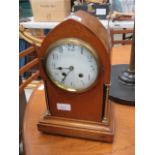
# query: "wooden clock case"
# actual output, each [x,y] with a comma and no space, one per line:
[90,116]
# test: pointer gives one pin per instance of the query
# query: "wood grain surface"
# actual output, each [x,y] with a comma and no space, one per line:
[37,143]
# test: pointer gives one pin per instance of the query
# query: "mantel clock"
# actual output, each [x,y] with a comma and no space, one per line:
[75,67]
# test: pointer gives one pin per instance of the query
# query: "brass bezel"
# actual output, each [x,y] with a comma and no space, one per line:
[74,41]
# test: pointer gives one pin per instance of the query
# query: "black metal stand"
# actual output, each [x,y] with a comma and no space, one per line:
[122,88]
[121,91]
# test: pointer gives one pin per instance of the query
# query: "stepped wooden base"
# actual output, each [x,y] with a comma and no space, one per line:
[77,128]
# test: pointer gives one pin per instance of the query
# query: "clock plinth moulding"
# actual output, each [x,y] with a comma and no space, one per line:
[85,113]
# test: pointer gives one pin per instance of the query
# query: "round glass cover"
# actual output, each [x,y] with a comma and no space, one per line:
[72,65]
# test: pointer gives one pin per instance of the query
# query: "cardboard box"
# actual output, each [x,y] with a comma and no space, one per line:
[50,10]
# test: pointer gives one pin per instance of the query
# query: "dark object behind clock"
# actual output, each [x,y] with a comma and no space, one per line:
[98,10]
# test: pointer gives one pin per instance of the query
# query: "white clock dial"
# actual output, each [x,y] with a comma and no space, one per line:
[72,66]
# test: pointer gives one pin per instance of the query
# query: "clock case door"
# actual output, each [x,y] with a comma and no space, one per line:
[87,108]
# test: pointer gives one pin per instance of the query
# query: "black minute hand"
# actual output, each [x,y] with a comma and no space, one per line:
[65,75]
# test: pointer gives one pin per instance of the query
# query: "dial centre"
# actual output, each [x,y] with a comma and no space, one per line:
[71,68]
